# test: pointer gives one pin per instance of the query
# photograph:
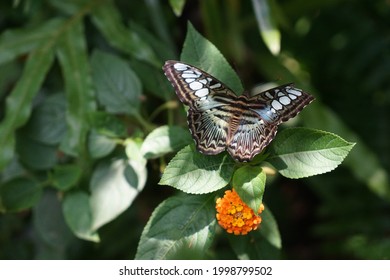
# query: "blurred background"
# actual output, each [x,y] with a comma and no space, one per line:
[338,50]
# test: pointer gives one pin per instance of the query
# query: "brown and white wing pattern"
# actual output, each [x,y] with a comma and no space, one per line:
[220,120]
[279,104]
[251,135]
[206,97]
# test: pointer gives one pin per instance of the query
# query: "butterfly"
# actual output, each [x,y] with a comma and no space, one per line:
[220,120]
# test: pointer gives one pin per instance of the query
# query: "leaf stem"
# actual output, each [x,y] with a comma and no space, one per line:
[146,125]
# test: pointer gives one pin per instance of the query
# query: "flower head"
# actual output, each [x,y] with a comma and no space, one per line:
[234,215]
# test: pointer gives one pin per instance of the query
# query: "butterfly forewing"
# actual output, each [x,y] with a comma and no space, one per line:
[207,97]
[219,120]
[196,88]
[279,104]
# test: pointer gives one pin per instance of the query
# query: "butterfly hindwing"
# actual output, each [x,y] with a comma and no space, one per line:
[251,136]
[209,129]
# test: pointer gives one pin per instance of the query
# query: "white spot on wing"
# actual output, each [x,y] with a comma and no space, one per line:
[292,96]
[189,75]
[195,85]
[203,81]
[276,105]
[217,85]
[189,80]
[180,66]
[284,100]
[294,91]
[202,92]
[269,95]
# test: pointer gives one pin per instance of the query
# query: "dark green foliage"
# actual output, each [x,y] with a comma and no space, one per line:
[91,132]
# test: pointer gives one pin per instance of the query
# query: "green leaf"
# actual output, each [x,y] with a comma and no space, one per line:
[177,6]
[373,174]
[108,124]
[34,154]
[51,233]
[100,145]
[118,87]
[133,151]
[153,79]
[249,183]
[261,244]
[71,8]
[114,185]
[181,227]
[108,20]
[267,27]
[73,57]
[18,103]
[303,152]
[14,43]
[165,139]
[159,40]
[13,170]
[9,73]
[46,124]
[193,172]
[78,216]
[64,177]
[19,194]
[200,52]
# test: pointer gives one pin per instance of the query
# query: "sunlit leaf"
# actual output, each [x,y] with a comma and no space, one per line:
[373,174]
[200,52]
[100,145]
[181,227]
[193,172]
[303,152]
[114,185]
[78,215]
[267,27]
[177,6]
[165,139]
[249,183]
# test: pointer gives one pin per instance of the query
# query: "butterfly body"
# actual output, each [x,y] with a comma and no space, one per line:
[220,120]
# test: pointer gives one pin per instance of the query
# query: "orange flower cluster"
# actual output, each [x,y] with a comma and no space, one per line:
[234,215]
